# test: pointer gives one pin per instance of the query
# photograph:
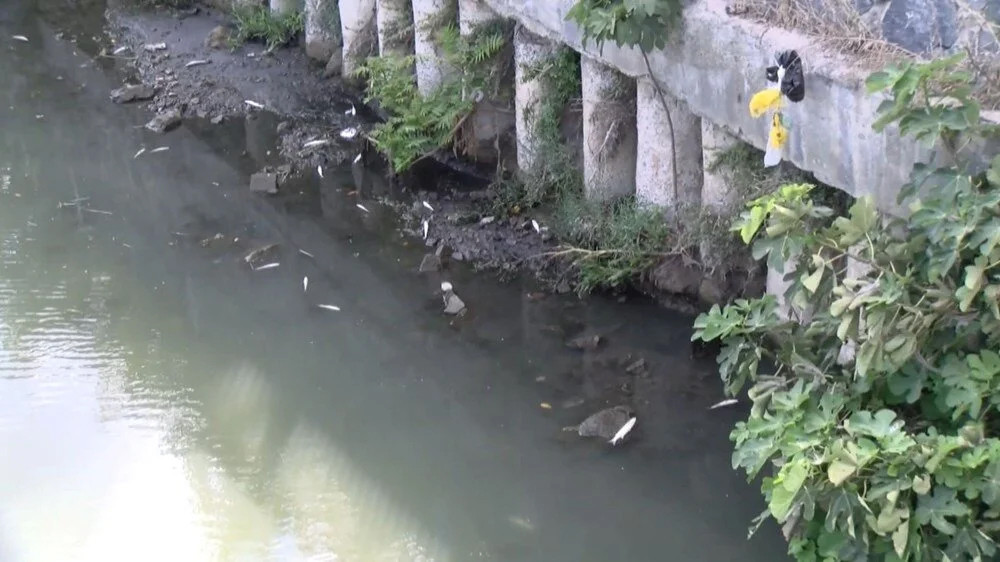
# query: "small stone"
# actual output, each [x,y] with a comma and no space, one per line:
[264,182]
[637,367]
[283,172]
[132,92]
[563,287]
[282,127]
[486,220]
[710,292]
[165,121]
[587,342]
[218,119]
[606,423]
[431,262]
[452,304]
[672,275]
[218,38]
[458,256]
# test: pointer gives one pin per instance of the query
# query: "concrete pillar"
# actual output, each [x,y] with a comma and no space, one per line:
[357,27]
[472,14]
[395,27]
[717,190]
[609,132]
[491,117]
[654,164]
[530,52]
[322,21]
[284,6]
[428,17]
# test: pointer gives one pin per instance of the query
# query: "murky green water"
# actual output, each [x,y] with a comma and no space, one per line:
[160,401]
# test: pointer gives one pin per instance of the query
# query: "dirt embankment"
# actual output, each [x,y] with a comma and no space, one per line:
[194,71]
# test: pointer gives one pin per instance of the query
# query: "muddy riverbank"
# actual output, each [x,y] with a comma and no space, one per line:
[178,53]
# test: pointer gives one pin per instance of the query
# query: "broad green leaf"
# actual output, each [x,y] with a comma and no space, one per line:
[899,539]
[811,282]
[839,471]
[922,484]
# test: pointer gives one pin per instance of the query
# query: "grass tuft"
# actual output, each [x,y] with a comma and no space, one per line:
[257,23]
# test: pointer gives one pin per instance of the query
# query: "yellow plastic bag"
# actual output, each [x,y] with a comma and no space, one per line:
[776,140]
[764,101]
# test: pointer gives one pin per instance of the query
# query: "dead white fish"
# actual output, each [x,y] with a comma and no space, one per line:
[427,206]
[724,403]
[357,158]
[197,62]
[40,116]
[271,265]
[352,111]
[151,47]
[307,254]
[427,228]
[320,142]
[21,38]
[522,523]
[329,307]
[319,170]
[119,50]
[305,284]
[98,211]
[252,103]
[534,224]
[159,149]
[623,431]
[446,286]
[349,133]
[138,154]
[256,253]
[362,207]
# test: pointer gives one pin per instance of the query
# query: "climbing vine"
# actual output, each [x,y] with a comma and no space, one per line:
[876,405]
[419,125]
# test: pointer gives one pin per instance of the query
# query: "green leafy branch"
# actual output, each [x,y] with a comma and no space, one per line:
[876,403]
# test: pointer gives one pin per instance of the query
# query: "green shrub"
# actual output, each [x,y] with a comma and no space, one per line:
[876,404]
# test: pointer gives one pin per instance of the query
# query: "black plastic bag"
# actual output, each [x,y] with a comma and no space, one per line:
[789,67]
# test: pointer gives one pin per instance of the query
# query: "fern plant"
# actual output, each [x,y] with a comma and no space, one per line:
[420,125]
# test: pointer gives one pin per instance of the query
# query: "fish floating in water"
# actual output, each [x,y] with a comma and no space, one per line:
[724,403]
[328,307]
[252,103]
[271,265]
[20,38]
[305,284]
[362,207]
[313,143]
[623,431]
[349,133]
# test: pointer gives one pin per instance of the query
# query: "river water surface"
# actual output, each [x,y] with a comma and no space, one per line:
[161,401]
